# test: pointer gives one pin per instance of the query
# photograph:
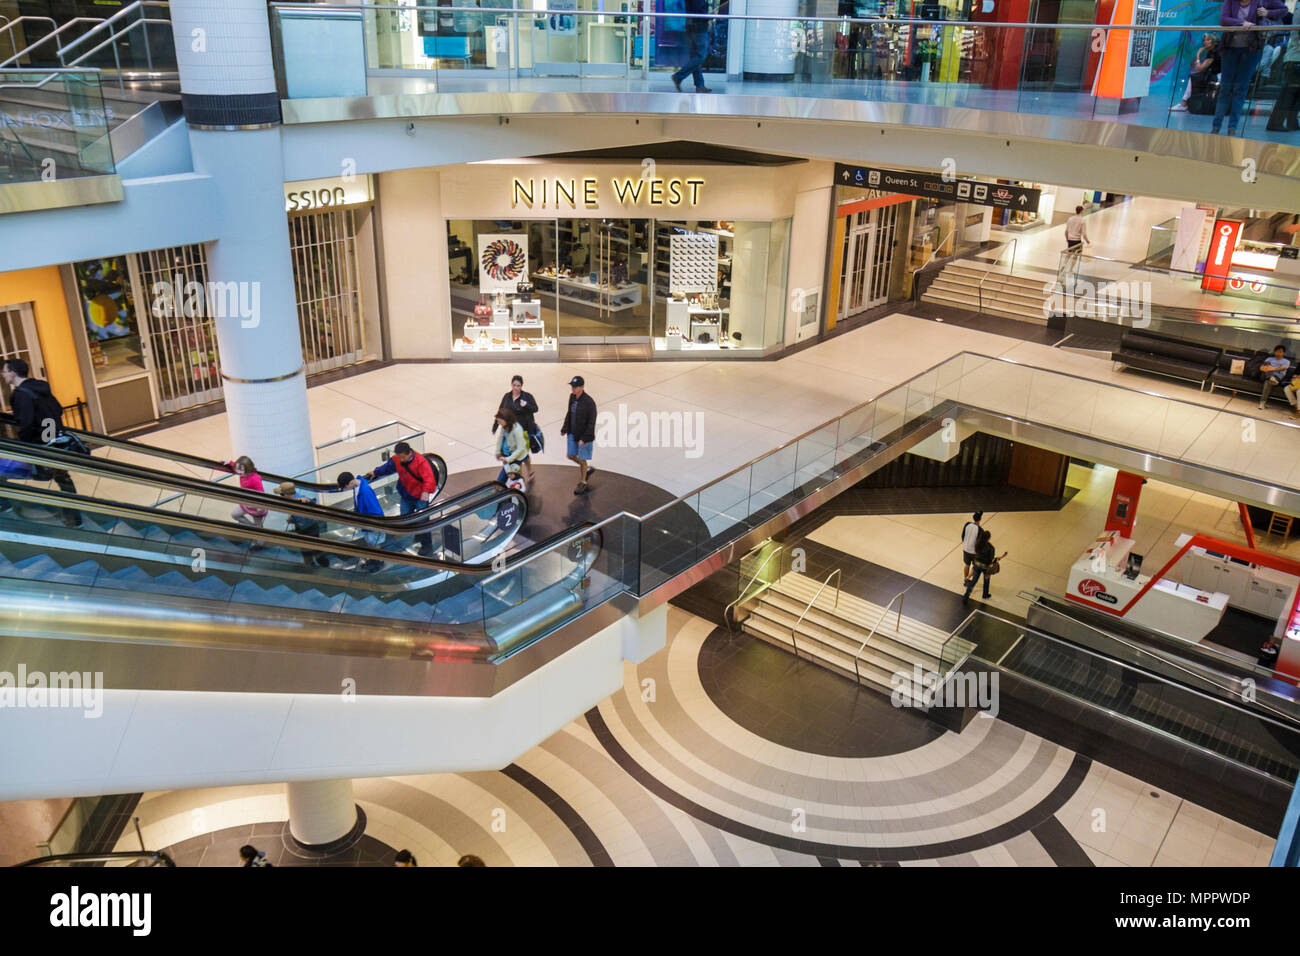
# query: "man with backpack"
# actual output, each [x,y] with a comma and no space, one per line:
[40,422]
[969,536]
[417,485]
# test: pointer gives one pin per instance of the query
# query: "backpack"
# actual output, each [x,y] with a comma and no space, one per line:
[1253,366]
[1203,102]
[536,441]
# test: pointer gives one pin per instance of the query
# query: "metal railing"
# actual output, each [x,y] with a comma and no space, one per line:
[1011,271]
[837,574]
[53,35]
[741,598]
[898,627]
[141,23]
[121,858]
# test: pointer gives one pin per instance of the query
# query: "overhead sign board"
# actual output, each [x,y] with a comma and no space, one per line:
[913,183]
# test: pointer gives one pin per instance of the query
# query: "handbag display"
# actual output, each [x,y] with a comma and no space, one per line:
[483,311]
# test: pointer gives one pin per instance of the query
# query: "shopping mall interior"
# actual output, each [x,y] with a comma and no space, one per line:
[678,434]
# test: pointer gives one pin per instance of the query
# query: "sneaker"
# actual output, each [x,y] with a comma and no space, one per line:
[581,489]
[702,89]
[1179,107]
[590,471]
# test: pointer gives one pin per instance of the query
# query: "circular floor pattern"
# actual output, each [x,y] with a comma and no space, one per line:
[221,848]
[800,705]
[553,507]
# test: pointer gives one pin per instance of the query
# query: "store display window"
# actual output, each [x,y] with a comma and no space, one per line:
[108,310]
[521,286]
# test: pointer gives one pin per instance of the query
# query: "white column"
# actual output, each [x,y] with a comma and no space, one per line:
[769,46]
[321,811]
[223,53]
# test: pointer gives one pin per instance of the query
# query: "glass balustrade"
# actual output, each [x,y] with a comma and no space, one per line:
[53,126]
[1153,76]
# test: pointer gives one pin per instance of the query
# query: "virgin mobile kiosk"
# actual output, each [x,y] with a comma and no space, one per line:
[1124,74]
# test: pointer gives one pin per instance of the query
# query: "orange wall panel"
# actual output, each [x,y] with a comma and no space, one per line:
[44,289]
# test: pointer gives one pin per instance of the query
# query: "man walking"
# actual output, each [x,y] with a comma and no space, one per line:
[697,33]
[417,485]
[40,422]
[580,426]
[969,536]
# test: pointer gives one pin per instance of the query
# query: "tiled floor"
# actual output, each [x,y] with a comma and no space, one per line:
[669,778]
[744,409]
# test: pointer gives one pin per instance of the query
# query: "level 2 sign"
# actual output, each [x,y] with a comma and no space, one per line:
[912,182]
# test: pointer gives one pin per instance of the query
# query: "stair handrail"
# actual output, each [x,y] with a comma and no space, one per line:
[989,271]
[128,9]
[141,21]
[898,627]
[7,29]
[739,597]
[838,572]
[25,51]
[146,857]
[939,245]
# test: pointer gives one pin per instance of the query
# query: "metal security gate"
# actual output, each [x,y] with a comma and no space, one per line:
[18,340]
[179,342]
[868,255]
[326,282]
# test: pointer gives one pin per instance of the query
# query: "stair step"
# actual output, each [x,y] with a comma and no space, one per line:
[870,656]
[905,650]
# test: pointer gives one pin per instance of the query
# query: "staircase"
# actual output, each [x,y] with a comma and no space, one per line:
[1016,297]
[831,635]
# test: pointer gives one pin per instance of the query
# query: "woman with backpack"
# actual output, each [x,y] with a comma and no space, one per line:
[987,563]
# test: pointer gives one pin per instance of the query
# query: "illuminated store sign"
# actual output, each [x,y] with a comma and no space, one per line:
[1219,262]
[575,192]
[327,193]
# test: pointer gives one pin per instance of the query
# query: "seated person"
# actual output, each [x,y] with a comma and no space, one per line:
[1205,68]
[1272,372]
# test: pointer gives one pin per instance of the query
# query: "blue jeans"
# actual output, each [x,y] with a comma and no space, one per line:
[699,53]
[975,576]
[1235,74]
[423,541]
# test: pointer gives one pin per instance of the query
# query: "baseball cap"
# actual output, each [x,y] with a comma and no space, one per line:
[576,380]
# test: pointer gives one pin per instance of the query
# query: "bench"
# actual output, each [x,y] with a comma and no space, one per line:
[1222,376]
[1169,357]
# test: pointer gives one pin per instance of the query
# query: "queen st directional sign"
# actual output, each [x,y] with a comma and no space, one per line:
[913,183]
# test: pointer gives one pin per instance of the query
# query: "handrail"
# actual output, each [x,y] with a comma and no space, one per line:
[129,8]
[779,549]
[837,573]
[1011,271]
[49,36]
[937,246]
[73,461]
[874,20]
[287,539]
[156,858]
[898,627]
[1164,660]
[946,641]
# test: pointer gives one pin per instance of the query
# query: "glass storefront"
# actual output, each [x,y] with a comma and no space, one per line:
[680,285]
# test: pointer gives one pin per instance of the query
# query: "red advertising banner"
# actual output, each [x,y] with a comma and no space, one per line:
[1218,261]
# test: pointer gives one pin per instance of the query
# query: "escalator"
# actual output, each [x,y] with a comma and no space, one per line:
[197,466]
[130,552]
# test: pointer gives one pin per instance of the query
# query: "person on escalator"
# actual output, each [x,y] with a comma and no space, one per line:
[364,502]
[40,422]
[512,444]
[301,524]
[249,480]
[417,486]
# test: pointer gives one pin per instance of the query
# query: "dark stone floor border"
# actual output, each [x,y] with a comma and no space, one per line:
[1026,822]
[1060,845]
[570,817]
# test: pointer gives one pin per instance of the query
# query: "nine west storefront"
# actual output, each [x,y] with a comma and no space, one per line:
[525,257]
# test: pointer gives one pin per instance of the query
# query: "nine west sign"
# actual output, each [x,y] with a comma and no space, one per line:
[553,193]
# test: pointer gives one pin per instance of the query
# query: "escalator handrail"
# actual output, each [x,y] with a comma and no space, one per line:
[124,444]
[159,857]
[1288,727]
[232,529]
[1290,718]
[74,461]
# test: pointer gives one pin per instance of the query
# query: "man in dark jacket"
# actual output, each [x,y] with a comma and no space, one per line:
[40,422]
[580,426]
[697,33]
[417,485]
